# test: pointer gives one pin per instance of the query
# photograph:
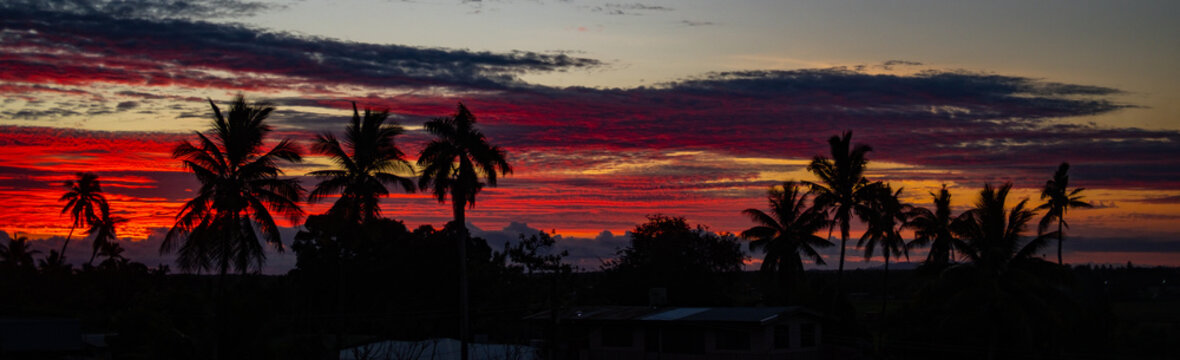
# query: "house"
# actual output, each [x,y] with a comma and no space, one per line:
[436,349]
[690,333]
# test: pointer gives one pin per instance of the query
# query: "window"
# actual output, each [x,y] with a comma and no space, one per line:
[616,336]
[732,340]
[782,337]
[807,335]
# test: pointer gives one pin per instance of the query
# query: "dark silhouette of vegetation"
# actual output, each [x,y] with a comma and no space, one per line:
[360,278]
[452,164]
[1003,296]
[368,161]
[934,229]
[1060,200]
[694,265]
[104,236]
[240,187]
[17,255]
[86,205]
[785,235]
[886,217]
[842,187]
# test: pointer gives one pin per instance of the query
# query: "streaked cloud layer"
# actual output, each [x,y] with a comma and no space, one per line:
[108,89]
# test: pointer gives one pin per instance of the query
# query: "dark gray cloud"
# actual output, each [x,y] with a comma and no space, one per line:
[628,9]
[147,9]
[1122,244]
[126,105]
[1161,200]
[154,51]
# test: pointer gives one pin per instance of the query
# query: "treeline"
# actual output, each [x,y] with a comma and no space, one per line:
[983,289]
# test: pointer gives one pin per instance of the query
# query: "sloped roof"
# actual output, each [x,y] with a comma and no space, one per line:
[760,315]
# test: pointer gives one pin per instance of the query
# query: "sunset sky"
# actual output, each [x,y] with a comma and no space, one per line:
[611,111]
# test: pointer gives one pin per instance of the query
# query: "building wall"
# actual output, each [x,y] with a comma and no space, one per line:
[761,342]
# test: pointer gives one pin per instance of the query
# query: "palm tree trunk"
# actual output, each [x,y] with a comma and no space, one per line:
[92,255]
[67,243]
[1061,236]
[459,203]
[843,247]
[885,292]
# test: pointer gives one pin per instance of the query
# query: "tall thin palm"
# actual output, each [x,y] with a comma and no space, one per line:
[885,221]
[17,254]
[788,233]
[842,187]
[1060,200]
[240,188]
[84,202]
[104,233]
[933,229]
[368,160]
[452,164]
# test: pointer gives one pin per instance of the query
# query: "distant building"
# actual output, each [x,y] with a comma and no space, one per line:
[436,349]
[649,333]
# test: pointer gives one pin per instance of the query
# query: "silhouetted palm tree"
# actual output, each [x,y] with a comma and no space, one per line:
[992,234]
[842,187]
[933,228]
[17,254]
[240,187]
[1003,287]
[53,263]
[84,202]
[368,160]
[1060,200]
[104,234]
[886,218]
[787,233]
[452,164]
[113,252]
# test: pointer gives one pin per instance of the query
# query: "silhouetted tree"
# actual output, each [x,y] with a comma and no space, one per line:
[536,255]
[886,217]
[665,252]
[933,229]
[84,202]
[240,188]
[113,252]
[104,234]
[1060,200]
[842,187]
[786,234]
[1003,294]
[17,254]
[54,263]
[368,160]
[452,164]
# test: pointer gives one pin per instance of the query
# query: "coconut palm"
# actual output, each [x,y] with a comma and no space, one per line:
[1007,293]
[1060,200]
[240,188]
[787,233]
[452,164]
[104,234]
[933,229]
[886,218]
[992,234]
[368,160]
[17,254]
[113,252]
[842,187]
[84,202]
